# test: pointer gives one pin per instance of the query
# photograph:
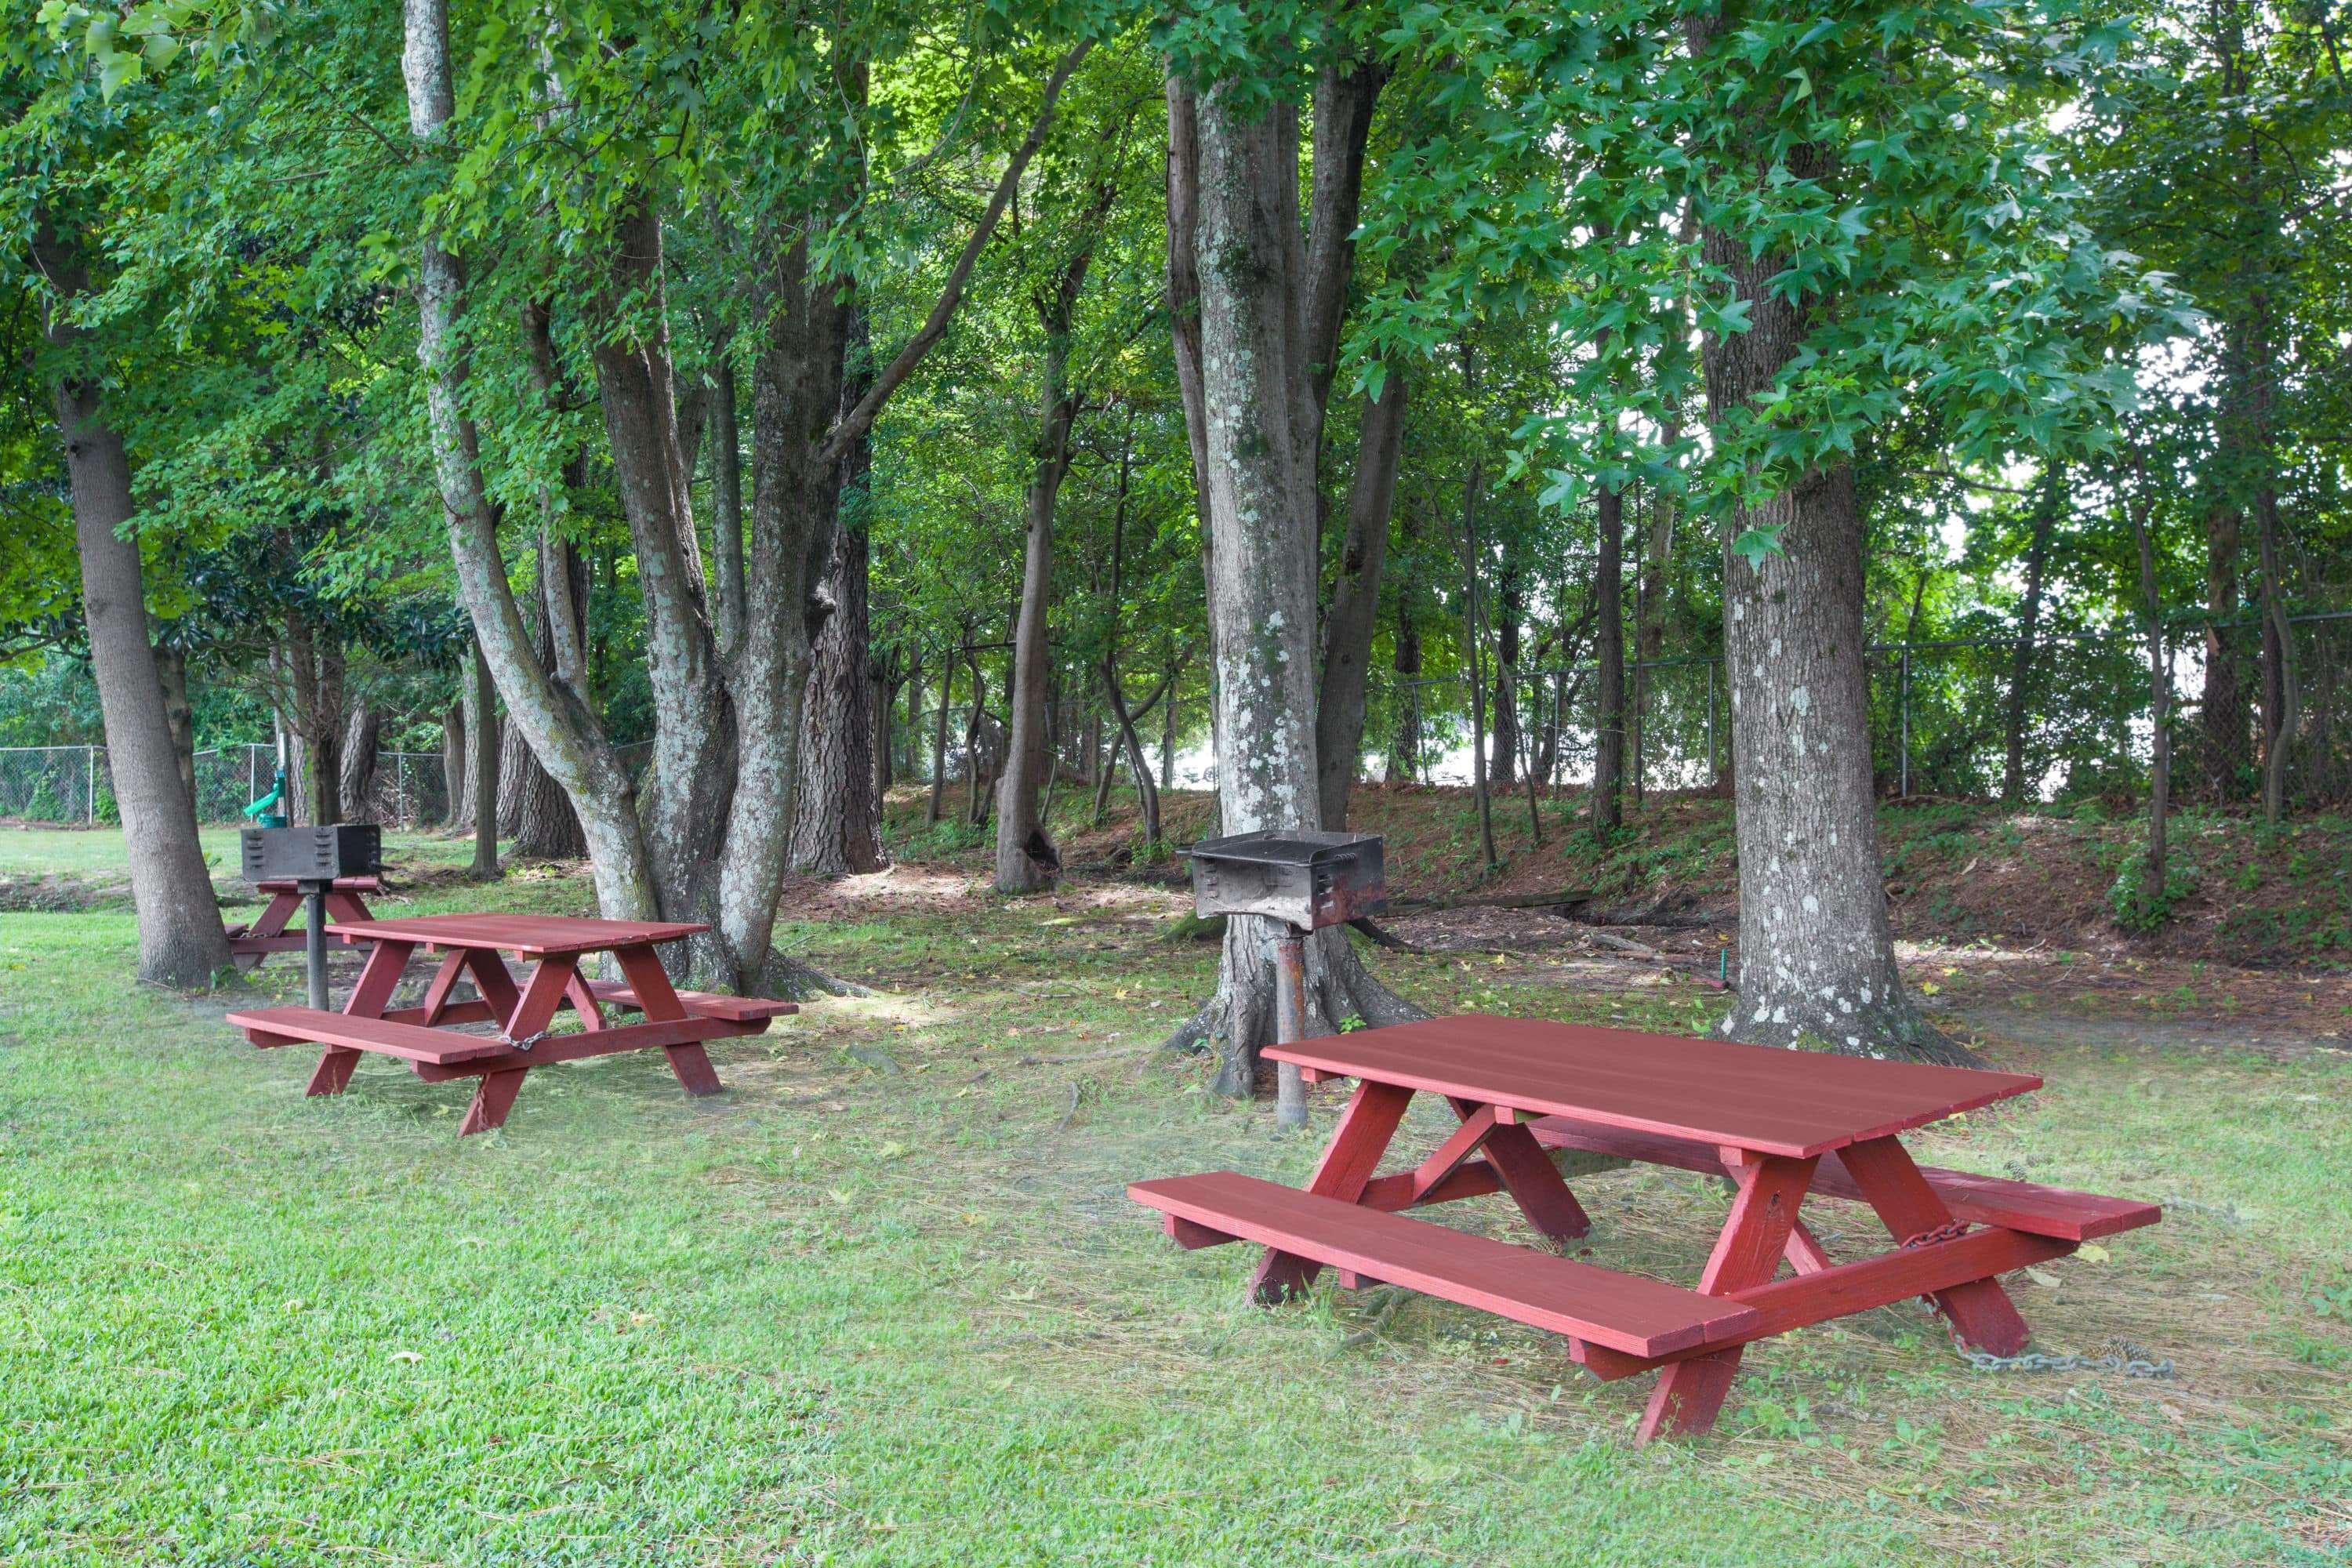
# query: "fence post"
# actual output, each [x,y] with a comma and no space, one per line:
[90,787]
[1905,743]
[399,792]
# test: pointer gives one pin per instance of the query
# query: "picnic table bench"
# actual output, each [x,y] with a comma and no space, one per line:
[675,1022]
[1778,1125]
[250,942]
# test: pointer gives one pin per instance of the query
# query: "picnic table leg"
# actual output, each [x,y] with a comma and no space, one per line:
[1355,1151]
[333,1073]
[376,982]
[1534,1183]
[344,908]
[271,923]
[379,978]
[657,1002]
[444,980]
[584,1002]
[1982,1314]
[1690,1393]
[492,983]
[494,1096]
[542,994]
[692,1065]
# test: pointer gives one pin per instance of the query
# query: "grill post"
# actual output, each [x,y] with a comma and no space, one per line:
[1301,880]
[314,941]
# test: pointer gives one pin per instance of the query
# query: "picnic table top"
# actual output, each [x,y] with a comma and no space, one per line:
[531,935]
[1797,1104]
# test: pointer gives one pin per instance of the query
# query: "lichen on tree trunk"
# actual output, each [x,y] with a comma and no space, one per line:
[1235,257]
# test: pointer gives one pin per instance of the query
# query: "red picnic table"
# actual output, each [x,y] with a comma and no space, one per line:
[249,944]
[676,1022]
[1781,1125]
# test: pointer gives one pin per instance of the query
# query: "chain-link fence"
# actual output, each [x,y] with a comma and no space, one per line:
[70,784]
[1942,717]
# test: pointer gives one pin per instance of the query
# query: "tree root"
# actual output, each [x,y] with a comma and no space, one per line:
[1238,1021]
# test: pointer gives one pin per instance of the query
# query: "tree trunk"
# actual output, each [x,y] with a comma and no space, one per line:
[940,736]
[315,658]
[180,717]
[1817,953]
[1404,747]
[727,497]
[1026,858]
[2160,696]
[362,736]
[555,716]
[1234,211]
[1608,678]
[1473,643]
[2028,622]
[181,939]
[2279,693]
[1355,604]
[455,776]
[485,741]
[2221,718]
[1503,769]
[690,785]
[836,828]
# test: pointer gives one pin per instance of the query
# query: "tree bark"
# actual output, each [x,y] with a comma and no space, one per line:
[1503,768]
[363,734]
[486,741]
[1473,643]
[1816,953]
[837,823]
[556,719]
[180,717]
[181,939]
[1234,206]
[2160,696]
[940,733]
[1355,603]
[2028,624]
[2221,718]
[1609,676]
[453,774]
[314,657]
[1404,747]
[1026,858]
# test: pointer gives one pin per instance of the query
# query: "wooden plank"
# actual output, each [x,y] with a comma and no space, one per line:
[341,885]
[1622,1311]
[1846,1289]
[1795,1104]
[605,1042]
[533,936]
[2058,1212]
[709,1004]
[268,1026]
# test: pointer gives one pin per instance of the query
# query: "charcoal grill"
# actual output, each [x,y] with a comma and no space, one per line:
[1304,881]
[312,859]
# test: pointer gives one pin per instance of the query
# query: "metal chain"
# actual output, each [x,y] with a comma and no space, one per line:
[2126,1358]
[526,1042]
[1951,1230]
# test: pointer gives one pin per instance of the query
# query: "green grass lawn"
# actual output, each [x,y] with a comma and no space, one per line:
[93,855]
[892,1307]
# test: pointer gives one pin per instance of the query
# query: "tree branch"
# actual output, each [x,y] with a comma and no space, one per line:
[853,425]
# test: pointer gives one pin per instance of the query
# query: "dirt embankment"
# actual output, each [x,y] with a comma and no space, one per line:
[1958,872]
